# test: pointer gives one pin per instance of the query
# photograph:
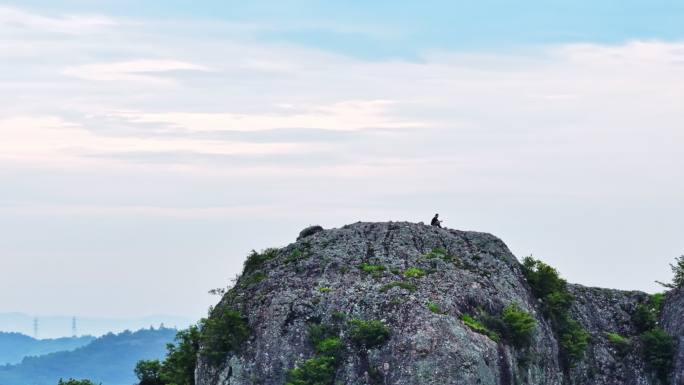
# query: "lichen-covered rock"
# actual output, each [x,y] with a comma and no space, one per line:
[419,281]
[602,311]
[673,323]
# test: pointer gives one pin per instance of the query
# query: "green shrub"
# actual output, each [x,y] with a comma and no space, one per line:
[551,289]
[368,268]
[368,334]
[657,301]
[435,308]
[181,358]
[543,279]
[518,326]
[223,332]
[296,255]
[256,260]
[324,290]
[404,285]
[148,372]
[254,278]
[658,350]
[414,272]
[319,332]
[314,371]
[478,327]
[438,252]
[620,343]
[645,316]
[573,340]
[331,346]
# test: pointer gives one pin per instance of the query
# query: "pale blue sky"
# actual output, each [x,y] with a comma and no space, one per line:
[147,146]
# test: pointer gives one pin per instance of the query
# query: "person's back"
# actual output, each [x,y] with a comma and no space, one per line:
[435,221]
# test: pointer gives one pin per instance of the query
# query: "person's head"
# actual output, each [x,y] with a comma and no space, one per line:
[436,215]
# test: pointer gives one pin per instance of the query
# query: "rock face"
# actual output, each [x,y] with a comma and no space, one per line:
[319,279]
[673,323]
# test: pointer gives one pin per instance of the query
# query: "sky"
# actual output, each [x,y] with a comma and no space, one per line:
[147,146]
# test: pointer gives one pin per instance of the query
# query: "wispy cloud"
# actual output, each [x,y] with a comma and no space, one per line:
[342,116]
[136,70]
[53,141]
[16,18]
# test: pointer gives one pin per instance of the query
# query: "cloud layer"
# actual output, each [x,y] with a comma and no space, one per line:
[176,124]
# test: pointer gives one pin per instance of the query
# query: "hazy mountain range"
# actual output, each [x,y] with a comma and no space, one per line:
[55,326]
[15,346]
[109,360]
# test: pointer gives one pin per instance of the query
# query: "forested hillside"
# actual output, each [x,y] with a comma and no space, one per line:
[109,359]
[15,346]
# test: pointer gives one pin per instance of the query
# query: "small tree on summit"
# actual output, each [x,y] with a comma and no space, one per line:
[678,270]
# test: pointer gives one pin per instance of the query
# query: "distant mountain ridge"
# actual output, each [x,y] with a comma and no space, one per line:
[56,326]
[15,346]
[109,360]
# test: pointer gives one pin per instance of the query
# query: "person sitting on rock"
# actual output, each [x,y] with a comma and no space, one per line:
[435,221]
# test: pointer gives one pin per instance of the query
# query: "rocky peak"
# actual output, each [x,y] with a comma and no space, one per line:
[417,290]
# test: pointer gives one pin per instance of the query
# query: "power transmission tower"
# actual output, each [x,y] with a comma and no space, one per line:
[73,327]
[35,327]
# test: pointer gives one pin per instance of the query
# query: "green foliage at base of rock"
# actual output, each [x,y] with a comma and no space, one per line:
[179,366]
[658,352]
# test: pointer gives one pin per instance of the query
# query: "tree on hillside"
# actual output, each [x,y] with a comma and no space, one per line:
[678,271]
[149,372]
[71,381]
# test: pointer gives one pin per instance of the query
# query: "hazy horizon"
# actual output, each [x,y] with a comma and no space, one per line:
[146,148]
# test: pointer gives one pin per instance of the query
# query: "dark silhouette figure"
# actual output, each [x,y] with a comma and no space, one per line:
[435,221]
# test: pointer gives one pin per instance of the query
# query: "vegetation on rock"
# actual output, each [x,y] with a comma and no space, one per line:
[645,317]
[658,352]
[621,344]
[255,260]
[414,272]
[404,285]
[518,326]
[314,371]
[222,333]
[478,327]
[434,307]
[514,325]
[368,334]
[551,289]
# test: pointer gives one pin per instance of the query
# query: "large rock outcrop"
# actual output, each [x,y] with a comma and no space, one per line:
[318,279]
